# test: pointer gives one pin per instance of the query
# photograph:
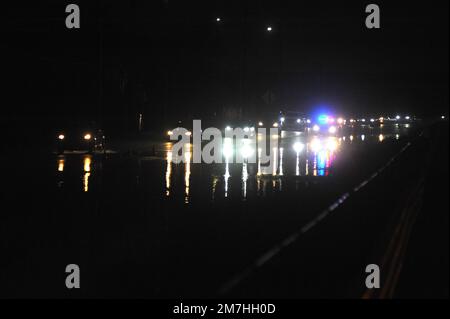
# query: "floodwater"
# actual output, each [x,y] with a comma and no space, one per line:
[147,227]
[298,159]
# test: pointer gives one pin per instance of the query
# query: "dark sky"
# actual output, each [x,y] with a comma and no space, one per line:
[171,59]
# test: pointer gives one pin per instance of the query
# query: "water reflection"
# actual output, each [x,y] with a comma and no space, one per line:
[187,175]
[60,168]
[244,180]
[168,172]
[226,177]
[296,157]
[87,172]
[322,163]
[61,162]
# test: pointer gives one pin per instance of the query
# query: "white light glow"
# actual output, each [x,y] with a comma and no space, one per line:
[332,144]
[227,147]
[246,149]
[298,147]
[316,145]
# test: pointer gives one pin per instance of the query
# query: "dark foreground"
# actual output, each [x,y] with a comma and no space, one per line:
[141,227]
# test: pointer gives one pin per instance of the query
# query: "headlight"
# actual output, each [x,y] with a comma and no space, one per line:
[332,144]
[316,145]
[87,137]
[61,137]
[298,147]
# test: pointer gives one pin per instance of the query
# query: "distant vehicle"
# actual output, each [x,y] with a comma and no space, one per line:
[180,124]
[80,138]
[325,125]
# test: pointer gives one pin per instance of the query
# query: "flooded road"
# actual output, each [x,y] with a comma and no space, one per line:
[146,227]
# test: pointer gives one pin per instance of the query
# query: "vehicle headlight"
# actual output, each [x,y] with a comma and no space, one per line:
[87,137]
[298,147]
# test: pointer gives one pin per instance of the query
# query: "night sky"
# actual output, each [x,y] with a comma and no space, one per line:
[172,59]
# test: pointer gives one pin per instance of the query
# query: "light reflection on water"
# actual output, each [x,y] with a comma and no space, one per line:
[86,168]
[168,172]
[61,162]
[87,161]
[298,157]
[187,176]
